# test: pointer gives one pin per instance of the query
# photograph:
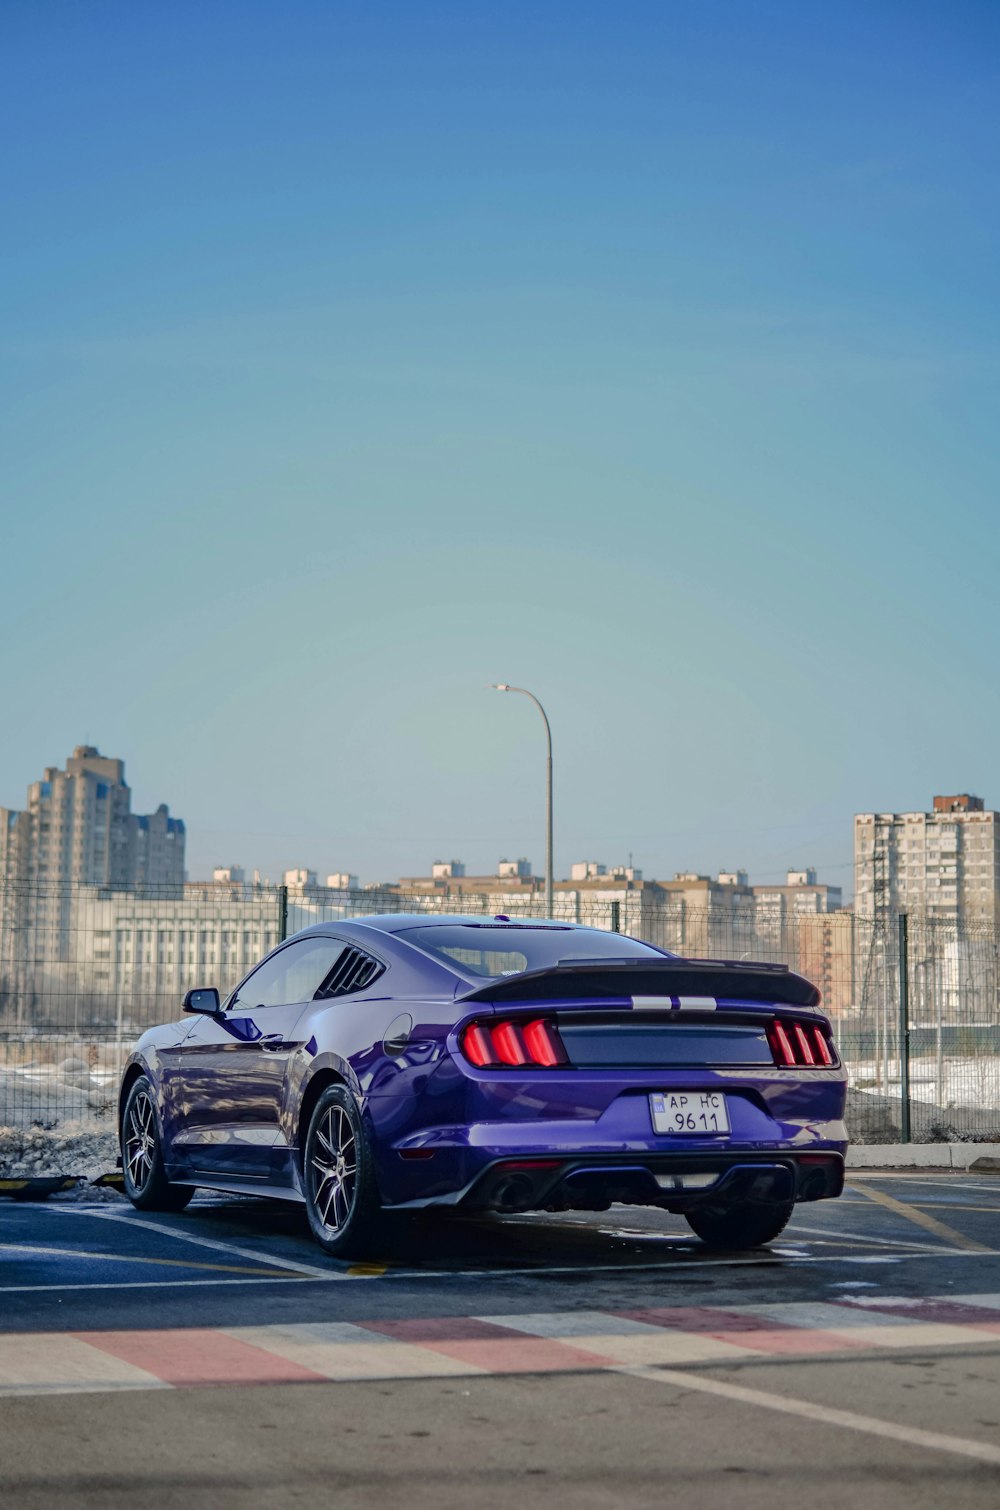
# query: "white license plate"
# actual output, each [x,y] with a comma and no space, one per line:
[689,1112]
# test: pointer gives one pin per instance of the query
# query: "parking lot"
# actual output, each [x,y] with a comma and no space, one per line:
[218,1356]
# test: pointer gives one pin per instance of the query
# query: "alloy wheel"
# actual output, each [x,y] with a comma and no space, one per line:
[333,1169]
[140,1140]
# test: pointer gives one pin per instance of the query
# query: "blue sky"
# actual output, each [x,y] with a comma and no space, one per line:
[646,355]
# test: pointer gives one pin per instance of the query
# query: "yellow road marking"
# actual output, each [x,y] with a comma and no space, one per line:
[933,1206]
[123,1258]
[921,1219]
[367,1271]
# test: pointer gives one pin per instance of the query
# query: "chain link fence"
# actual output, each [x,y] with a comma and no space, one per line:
[84,970]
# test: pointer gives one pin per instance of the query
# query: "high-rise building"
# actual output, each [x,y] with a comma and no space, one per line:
[943,865]
[76,833]
[77,829]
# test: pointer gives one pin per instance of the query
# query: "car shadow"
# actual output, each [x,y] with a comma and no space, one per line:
[443,1241]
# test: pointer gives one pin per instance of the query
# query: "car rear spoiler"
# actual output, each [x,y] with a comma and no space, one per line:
[709,979]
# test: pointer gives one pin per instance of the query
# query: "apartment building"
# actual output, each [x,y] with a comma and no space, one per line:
[691,914]
[943,865]
[77,829]
[778,909]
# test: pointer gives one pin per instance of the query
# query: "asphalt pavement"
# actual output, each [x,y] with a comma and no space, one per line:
[217,1357]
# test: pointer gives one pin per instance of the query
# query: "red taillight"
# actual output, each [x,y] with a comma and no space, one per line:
[535,1043]
[802,1045]
[824,1048]
[509,1043]
[478,1046]
[808,1057]
[543,1043]
[780,1046]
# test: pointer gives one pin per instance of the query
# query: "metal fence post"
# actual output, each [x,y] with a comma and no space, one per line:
[282,913]
[904,1029]
[616,917]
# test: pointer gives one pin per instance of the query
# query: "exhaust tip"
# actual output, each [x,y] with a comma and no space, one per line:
[514,1192]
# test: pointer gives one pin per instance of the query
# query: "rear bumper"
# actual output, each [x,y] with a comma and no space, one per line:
[675,1182]
[445,1151]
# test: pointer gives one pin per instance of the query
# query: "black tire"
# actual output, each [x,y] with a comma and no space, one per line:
[145,1179]
[338,1169]
[739,1226]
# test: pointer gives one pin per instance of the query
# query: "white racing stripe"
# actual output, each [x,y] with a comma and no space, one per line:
[825,1415]
[666,1003]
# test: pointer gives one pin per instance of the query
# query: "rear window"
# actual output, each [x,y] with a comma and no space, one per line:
[489,950]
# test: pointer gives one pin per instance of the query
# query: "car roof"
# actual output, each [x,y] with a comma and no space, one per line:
[398,922]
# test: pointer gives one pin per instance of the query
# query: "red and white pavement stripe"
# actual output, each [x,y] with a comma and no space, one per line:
[55,1362]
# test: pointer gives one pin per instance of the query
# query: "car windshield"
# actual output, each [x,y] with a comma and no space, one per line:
[494,949]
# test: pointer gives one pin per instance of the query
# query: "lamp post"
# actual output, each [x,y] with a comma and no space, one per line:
[506,687]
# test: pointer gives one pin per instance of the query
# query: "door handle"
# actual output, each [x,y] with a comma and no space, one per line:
[271,1041]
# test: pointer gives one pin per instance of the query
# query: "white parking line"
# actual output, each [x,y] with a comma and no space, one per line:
[953,1182]
[757,1260]
[849,1238]
[139,1284]
[535,1271]
[291,1264]
[826,1415]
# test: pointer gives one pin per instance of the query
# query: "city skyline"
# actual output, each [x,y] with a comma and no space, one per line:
[301,853]
[77,828]
[52,838]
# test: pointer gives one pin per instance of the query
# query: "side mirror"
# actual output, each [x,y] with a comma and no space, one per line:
[204,999]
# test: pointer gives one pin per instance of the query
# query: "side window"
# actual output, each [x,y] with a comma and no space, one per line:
[294,974]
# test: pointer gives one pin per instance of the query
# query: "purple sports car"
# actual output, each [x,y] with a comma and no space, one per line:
[405,1062]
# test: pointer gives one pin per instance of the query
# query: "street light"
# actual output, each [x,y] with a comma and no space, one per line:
[506,687]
